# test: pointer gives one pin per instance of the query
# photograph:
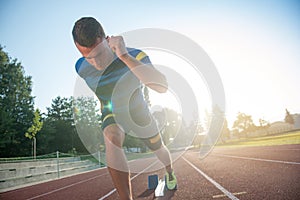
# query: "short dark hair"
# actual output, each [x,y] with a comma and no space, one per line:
[86,31]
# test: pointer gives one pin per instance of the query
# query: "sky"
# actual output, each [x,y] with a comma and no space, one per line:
[254,45]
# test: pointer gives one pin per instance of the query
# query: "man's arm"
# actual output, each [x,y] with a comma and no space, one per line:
[147,74]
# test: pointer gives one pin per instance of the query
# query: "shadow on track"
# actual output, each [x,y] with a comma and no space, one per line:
[168,194]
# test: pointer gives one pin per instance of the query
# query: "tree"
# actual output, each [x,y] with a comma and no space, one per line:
[88,124]
[263,123]
[16,107]
[196,130]
[170,121]
[60,117]
[34,129]
[46,136]
[216,126]
[288,117]
[58,127]
[243,124]
[225,134]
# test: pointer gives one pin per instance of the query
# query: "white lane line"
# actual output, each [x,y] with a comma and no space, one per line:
[223,195]
[67,186]
[112,191]
[108,194]
[259,159]
[217,185]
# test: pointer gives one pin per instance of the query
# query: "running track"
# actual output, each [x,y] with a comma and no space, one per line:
[227,173]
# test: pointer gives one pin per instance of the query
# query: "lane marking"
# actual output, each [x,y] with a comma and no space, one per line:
[114,190]
[65,187]
[223,195]
[108,194]
[259,159]
[217,185]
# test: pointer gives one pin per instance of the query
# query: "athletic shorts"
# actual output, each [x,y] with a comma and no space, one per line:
[141,117]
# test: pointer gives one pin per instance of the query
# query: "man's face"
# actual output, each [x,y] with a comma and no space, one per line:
[99,55]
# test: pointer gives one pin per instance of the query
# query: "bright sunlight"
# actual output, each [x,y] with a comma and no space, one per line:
[188,72]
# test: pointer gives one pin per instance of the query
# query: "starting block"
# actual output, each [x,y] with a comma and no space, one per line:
[158,185]
[160,189]
[152,182]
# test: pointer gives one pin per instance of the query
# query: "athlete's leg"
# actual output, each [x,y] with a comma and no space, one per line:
[156,144]
[164,156]
[161,151]
[116,160]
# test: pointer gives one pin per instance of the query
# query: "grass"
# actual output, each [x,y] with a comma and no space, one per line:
[278,139]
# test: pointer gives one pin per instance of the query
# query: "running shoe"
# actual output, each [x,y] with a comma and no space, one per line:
[171,181]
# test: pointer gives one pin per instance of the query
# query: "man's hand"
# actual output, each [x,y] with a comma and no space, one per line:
[117,44]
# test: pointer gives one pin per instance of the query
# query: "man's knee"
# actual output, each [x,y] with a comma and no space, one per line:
[113,134]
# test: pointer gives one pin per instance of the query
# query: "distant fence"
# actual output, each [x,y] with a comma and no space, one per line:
[22,170]
[95,157]
[58,156]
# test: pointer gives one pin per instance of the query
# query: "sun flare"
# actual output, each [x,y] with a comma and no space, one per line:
[191,76]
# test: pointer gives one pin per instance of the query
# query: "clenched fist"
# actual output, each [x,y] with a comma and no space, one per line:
[117,44]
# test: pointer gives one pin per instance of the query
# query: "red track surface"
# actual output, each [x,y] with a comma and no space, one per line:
[237,173]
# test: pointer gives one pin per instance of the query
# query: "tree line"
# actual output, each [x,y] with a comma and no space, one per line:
[244,125]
